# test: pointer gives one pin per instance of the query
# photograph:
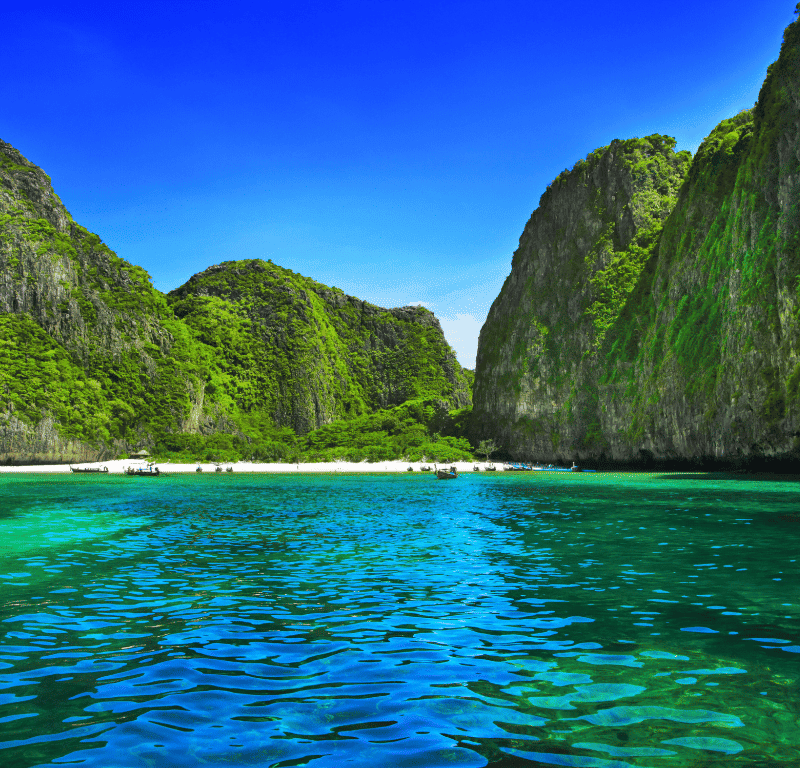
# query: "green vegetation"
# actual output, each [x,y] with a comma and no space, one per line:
[728,225]
[486,448]
[268,443]
[656,173]
[418,430]
[580,259]
[626,227]
[7,164]
[654,302]
[38,377]
[240,363]
[307,354]
[105,400]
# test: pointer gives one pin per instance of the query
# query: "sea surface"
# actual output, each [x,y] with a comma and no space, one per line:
[592,620]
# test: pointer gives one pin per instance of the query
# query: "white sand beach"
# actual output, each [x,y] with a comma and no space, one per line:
[118,466]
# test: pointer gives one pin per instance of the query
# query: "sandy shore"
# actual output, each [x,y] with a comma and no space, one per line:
[118,466]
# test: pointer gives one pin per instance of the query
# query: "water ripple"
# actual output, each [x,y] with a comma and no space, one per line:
[386,620]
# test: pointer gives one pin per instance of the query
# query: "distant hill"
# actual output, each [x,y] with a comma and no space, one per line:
[652,313]
[94,361]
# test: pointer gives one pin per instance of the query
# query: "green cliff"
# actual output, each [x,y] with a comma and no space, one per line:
[308,354]
[91,356]
[652,312]
[94,361]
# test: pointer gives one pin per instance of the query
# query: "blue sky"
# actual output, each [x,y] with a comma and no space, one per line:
[392,149]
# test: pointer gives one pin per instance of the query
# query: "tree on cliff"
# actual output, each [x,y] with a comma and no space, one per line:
[486,448]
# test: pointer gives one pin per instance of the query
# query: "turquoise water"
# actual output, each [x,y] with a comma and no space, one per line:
[604,620]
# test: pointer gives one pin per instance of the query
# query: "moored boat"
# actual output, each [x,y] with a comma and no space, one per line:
[81,470]
[447,474]
[573,468]
[149,471]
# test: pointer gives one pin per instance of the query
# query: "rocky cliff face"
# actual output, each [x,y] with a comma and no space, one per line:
[89,362]
[579,258]
[94,361]
[308,354]
[64,277]
[671,335]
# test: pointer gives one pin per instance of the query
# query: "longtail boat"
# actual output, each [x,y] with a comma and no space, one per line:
[149,471]
[447,474]
[79,470]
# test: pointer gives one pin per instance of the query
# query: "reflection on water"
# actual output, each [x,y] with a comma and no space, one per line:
[600,621]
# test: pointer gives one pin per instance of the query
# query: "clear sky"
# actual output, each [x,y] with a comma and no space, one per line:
[392,149]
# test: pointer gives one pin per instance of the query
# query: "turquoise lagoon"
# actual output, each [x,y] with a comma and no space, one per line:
[601,621]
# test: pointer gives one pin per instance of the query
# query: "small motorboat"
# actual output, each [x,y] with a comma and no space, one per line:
[149,471]
[447,474]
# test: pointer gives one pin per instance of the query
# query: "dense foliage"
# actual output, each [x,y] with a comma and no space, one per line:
[38,376]
[307,354]
[86,340]
[241,361]
[418,430]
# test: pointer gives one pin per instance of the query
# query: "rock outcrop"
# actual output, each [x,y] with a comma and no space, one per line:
[308,354]
[652,313]
[88,345]
[94,361]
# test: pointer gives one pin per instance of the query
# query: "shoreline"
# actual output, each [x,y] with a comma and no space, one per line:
[784,470]
[118,467]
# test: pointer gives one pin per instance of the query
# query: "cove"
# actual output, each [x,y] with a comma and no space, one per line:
[604,620]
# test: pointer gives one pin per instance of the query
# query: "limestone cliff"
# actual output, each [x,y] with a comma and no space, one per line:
[579,258]
[89,358]
[668,336]
[308,354]
[94,361]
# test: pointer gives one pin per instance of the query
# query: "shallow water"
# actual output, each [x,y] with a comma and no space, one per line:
[604,620]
